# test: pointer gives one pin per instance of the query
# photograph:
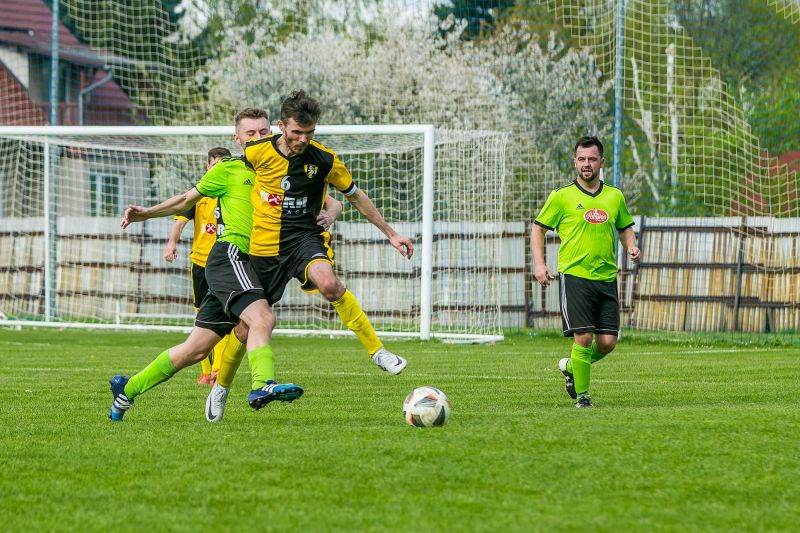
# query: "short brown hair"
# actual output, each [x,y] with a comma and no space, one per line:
[250,112]
[589,141]
[218,152]
[301,107]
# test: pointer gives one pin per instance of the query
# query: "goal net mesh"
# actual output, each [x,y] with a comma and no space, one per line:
[707,94]
[102,274]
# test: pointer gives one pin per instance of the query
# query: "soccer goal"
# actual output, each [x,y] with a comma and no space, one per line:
[64,261]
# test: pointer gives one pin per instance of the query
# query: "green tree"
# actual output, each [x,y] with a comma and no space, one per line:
[754,48]
[480,15]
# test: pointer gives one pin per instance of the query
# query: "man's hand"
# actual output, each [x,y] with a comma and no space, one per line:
[170,251]
[326,219]
[543,275]
[134,213]
[403,245]
[635,254]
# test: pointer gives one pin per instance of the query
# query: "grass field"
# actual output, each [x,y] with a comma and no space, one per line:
[683,438]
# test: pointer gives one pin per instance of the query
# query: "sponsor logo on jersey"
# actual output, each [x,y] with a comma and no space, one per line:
[295,205]
[248,182]
[311,171]
[580,206]
[271,199]
[210,228]
[595,216]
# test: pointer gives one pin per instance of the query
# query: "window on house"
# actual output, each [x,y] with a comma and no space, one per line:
[104,195]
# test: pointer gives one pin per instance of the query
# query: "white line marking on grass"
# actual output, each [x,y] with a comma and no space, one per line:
[427,376]
[698,352]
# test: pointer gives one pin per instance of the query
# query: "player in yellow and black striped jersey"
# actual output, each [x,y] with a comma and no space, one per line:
[293,173]
[208,224]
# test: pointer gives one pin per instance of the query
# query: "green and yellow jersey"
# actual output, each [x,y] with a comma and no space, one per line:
[231,181]
[290,192]
[207,225]
[585,223]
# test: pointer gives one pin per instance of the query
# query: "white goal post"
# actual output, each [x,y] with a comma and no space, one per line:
[64,261]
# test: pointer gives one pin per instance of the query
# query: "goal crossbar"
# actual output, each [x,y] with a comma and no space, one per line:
[50,136]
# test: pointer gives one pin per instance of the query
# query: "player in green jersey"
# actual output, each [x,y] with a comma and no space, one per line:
[235,295]
[585,214]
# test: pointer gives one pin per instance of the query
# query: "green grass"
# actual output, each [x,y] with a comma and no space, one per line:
[682,438]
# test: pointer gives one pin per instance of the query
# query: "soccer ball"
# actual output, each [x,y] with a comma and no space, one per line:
[426,407]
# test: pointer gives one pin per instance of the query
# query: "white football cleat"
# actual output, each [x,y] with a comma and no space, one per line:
[386,360]
[215,403]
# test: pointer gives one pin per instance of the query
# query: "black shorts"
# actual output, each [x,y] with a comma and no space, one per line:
[199,285]
[276,271]
[588,306]
[232,286]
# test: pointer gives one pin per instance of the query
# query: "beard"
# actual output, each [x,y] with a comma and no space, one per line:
[592,174]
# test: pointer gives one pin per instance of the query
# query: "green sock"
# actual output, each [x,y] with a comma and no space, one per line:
[581,367]
[158,371]
[596,355]
[262,365]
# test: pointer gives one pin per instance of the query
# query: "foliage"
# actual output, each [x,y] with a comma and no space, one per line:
[421,70]
[480,16]
[754,49]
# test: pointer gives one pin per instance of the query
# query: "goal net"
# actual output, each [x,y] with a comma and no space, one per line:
[66,261]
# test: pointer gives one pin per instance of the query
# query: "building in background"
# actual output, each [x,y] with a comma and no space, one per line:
[87,92]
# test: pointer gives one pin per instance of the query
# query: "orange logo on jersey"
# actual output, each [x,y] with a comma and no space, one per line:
[211,228]
[595,216]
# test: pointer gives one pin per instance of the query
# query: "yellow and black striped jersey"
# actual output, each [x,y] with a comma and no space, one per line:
[207,225]
[290,192]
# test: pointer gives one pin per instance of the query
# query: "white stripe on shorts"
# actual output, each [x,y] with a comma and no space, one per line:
[238,268]
[563,288]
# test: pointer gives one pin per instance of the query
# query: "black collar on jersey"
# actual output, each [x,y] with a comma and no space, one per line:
[594,194]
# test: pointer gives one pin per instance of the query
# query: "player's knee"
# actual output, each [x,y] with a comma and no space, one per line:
[606,346]
[263,321]
[331,289]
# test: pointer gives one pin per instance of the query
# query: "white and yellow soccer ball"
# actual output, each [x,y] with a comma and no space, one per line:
[426,407]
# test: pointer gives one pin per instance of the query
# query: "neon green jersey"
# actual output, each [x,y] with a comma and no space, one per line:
[585,224]
[231,180]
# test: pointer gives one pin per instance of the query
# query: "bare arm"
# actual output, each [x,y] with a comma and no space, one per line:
[628,240]
[401,243]
[541,272]
[177,204]
[171,248]
[333,208]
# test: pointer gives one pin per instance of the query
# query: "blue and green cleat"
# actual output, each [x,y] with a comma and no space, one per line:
[272,391]
[121,403]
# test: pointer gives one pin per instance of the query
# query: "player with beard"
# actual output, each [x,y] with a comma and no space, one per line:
[585,214]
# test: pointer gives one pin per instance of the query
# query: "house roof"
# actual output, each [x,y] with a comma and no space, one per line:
[28,24]
[791,160]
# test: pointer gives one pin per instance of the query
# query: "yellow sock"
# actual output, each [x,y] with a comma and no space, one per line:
[230,360]
[205,366]
[354,318]
[218,350]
